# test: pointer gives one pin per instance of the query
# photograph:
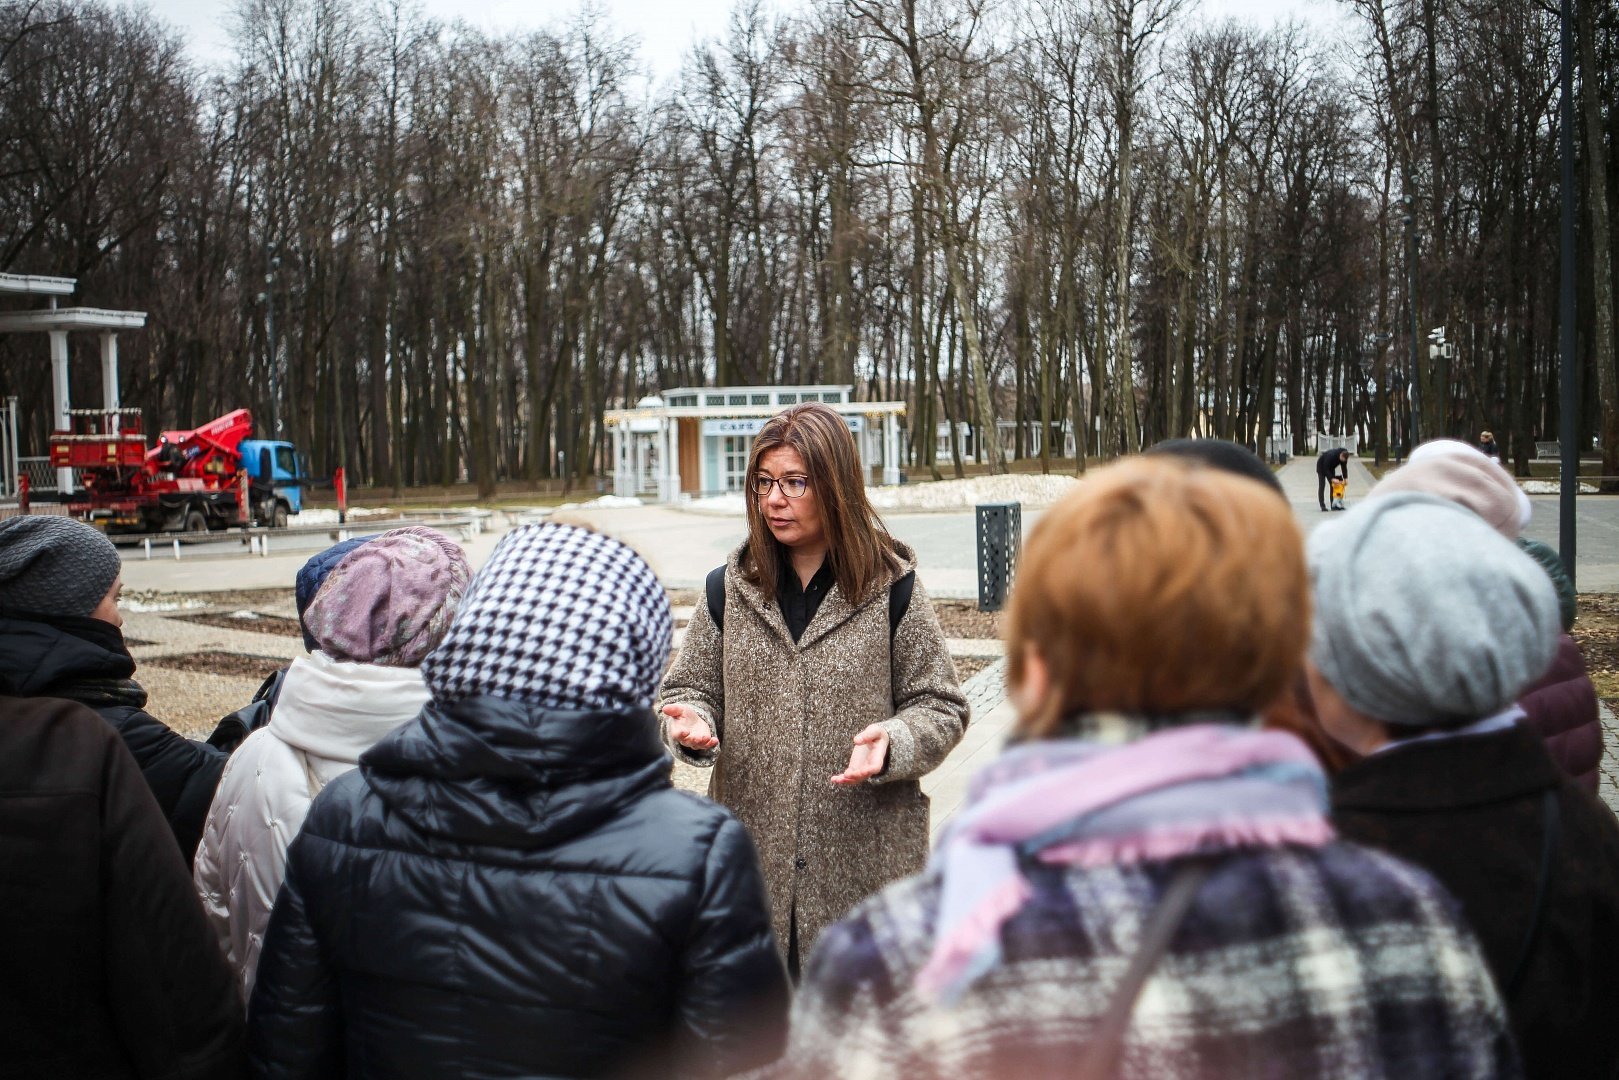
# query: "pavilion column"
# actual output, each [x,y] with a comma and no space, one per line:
[61,400]
[672,467]
[890,448]
[618,458]
[109,371]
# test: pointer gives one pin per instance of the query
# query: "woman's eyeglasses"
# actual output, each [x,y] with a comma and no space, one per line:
[791,486]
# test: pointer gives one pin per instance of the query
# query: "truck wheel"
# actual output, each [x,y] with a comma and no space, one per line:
[278,520]
[196,522]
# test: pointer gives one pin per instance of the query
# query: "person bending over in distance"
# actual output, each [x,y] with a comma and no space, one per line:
[816,681]
[61,637]
[1142,822]
[509,885]
[1329,464]
[1430,625]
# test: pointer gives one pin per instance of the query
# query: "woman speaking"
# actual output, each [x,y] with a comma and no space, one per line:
[816,682]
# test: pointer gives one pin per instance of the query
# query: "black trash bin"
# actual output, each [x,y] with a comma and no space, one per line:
[1000,535]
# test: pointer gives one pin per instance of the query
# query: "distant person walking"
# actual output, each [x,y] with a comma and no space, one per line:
[1488,445]
[1329,464]
[816,682]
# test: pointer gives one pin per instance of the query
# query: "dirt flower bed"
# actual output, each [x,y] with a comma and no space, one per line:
[1597,631]
[238,665]
[255,621]
[962,619]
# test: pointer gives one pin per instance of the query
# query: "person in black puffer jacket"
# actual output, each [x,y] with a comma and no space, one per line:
[509,885]
[60,637]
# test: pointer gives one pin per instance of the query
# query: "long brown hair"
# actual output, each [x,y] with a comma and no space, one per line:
[859,549]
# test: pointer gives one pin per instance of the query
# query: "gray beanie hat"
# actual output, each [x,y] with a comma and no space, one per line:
[54,566]
[1424,615]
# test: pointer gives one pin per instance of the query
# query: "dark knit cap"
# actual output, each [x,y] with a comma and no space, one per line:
[1221,454]
[54,565]
[1552,563]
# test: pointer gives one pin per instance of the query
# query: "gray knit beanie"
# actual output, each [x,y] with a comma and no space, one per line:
[1424,615]
[54,566]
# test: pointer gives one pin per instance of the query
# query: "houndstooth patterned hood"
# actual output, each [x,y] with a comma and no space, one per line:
[561,618]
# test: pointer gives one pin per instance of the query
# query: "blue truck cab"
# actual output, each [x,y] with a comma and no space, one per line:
[277,472]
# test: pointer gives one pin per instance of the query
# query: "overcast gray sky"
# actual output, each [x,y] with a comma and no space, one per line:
[666,28]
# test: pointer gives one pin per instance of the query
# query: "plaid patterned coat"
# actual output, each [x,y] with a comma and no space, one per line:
[1336,962]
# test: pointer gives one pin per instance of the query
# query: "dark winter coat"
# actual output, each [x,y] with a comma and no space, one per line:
[110,970]
[1328,463]
[1470,811]
[85,660]
[503,891]
[1562,709]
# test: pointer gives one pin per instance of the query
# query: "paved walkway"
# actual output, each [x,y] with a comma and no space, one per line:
[1298,481]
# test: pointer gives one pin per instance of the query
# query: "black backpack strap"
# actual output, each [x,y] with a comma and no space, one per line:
[1101,1057]
[715,588]
[1550,827]
[899,600]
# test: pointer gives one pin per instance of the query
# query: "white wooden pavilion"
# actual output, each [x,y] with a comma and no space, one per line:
[57,323]
[692,442]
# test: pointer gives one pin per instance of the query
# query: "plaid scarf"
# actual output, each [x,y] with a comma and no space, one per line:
[1169,793]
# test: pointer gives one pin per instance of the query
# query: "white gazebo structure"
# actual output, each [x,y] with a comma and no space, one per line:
[58,323]
[694,441]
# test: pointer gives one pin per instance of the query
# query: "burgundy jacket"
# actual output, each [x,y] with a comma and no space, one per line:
[1562,709]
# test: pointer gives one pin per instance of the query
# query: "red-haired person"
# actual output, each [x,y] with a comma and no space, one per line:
[818,684]
[1146,884]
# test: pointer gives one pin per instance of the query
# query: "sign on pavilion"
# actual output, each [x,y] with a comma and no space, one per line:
[692,442]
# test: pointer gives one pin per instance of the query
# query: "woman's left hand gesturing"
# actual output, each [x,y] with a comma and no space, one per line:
[869,756]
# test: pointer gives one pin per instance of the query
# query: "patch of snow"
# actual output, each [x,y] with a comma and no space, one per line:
[605,502]
[139,606]
[731,504]
[1033,490]
[245,615]
[323,516]
[1552,487]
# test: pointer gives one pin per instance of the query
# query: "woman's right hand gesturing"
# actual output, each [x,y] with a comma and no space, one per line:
[688,728]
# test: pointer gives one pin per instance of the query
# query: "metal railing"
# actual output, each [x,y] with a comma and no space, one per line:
[40,472]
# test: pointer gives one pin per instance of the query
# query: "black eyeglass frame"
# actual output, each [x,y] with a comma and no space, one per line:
[762,485]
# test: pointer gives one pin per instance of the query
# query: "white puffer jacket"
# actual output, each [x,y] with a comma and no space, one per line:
[328,714]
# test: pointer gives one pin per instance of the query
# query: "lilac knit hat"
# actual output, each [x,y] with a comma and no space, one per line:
[390,601]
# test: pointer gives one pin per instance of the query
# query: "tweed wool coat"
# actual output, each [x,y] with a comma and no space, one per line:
[786,714]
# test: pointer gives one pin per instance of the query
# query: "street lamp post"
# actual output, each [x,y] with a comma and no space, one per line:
[1413,376]
[1568,420]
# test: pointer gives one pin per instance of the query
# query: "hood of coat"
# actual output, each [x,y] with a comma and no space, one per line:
[338,709]
[495,772]
[41,653]
[835,609]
